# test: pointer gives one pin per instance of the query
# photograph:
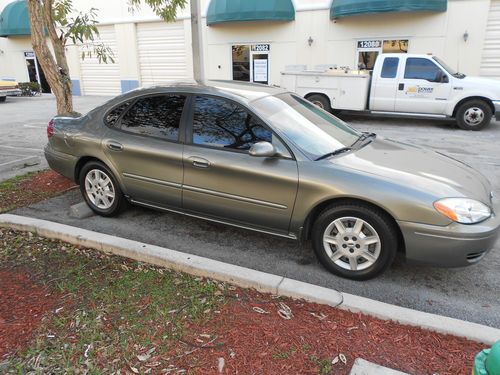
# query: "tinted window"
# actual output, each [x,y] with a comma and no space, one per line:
[156,116]
[115,113]
[417,68]
[390,67]
[221,123]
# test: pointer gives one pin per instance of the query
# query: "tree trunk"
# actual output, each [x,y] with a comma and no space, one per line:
[56,72]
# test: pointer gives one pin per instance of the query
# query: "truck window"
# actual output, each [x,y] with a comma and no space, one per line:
[390,67]
[419,68]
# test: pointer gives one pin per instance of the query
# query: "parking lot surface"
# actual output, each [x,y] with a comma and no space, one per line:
[467,293]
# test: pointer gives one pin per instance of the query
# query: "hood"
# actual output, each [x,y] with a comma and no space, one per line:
[480,83]
[417,167]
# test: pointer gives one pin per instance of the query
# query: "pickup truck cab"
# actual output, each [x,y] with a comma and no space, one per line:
[8,88]
[402,85]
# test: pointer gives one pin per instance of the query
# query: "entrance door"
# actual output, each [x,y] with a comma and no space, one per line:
[223,181]
[35,72]
[251,63]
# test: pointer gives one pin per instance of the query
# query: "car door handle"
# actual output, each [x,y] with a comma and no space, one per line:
[114,146]
[401,87]
[199,162]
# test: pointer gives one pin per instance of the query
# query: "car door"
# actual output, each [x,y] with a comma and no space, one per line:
[424,87]
[385,85]
[223,181]
[145,148]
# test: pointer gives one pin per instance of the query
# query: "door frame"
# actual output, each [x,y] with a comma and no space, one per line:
[252,53]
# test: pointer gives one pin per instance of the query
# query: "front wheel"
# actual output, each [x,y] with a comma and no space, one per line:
[354,241]
[474,115]
[100,189]
[2,98]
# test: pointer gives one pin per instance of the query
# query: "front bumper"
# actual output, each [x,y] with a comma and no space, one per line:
[10,92]
[454,245]
[496,104]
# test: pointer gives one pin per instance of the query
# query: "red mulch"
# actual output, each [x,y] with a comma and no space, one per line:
[254,343]
[47,182]
[32,189]
[22,307]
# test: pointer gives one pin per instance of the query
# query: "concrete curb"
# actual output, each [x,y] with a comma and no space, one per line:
[249,278]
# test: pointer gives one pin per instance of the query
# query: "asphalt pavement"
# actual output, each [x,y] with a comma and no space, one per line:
[467,293]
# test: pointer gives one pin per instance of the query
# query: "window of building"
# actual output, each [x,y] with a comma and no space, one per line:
[368,50]
[418,68]
[221,123]
[155,116]
[390,67]
[115,113]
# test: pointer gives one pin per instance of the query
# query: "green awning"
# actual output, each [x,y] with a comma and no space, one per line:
[14,19]
[345,8]
[220,11]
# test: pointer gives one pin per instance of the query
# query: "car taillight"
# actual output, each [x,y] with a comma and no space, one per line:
[50,129]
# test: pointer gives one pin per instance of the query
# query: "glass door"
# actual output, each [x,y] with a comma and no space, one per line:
[250,63]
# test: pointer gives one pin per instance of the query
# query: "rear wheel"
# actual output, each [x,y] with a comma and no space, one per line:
[354,241]
[100,189]
[474,115]
[320,101]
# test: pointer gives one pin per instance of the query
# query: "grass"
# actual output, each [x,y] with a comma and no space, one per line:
[30,188]
[116,314]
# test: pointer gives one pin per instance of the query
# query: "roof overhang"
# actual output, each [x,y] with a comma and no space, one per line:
[14,19]
[346,8]
[222,11]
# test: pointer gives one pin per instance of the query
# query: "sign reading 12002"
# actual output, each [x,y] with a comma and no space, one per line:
[364,44]
[260,47]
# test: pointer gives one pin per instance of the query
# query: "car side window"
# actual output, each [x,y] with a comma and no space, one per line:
[221,123]
[418,68]
[390,67]
[155,116]
[113,115]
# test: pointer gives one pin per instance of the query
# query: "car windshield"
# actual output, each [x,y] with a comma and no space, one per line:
[313,130]
[450,70]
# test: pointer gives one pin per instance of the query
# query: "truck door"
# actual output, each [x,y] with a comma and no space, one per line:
[385,85]
[424,87]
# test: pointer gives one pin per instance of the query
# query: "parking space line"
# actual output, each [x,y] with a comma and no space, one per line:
[21,148]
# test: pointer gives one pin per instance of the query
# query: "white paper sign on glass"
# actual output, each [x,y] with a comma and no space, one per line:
[260,70]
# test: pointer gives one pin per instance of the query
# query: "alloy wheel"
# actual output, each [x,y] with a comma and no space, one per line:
[352,243]
[100,189]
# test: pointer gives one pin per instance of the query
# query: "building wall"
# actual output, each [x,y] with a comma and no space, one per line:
[334,42]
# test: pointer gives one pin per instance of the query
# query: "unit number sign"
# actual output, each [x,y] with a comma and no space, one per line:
[365,44]
[260,47]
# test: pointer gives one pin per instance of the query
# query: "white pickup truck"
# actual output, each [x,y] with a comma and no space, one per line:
[401,85]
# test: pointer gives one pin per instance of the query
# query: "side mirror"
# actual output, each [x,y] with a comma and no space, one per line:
[440,77]
[263,149]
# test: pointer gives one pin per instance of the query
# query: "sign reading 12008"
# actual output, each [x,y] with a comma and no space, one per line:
[364,44]
[260,47]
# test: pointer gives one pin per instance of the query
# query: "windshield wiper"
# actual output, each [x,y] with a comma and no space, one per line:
[364,136]
[459,75]
[333,153]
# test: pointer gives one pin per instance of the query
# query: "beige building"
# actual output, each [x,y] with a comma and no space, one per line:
[255,40]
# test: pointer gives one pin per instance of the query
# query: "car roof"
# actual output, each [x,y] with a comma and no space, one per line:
[240,91]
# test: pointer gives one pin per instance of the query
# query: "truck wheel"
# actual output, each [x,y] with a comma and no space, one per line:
[473,115]
[2,98]
[354,241]
[320,101]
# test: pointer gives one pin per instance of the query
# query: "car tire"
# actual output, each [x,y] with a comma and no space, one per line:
[3,98]
[354,241]
[101,190]
[320,101]
[474,115]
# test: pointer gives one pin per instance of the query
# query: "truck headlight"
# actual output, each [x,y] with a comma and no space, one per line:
[463,210]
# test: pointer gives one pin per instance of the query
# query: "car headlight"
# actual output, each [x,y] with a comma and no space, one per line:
[463,210]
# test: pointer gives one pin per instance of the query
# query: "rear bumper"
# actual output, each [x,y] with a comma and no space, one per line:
[13,92]
[496,104]
[60,162]
[455,245]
